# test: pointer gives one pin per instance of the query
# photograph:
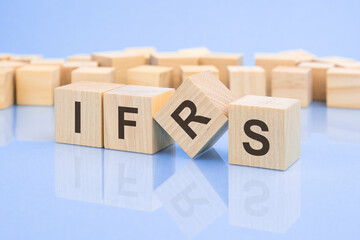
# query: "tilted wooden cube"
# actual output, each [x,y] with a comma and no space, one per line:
[93,74]
[264,132]
[35,84]
[197,114]
[269,61]
[246,80]
[121,61]
[146,75]
[79,113]
[79,58]
[68,67]
[7,87]
[292,82]
[343,88]
[129,123]
[222,61]
[146,51]
[174,60]
[319,71]
[188,70]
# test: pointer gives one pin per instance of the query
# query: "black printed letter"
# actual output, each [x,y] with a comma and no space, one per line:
[258,137]
[77,117]
[122,122]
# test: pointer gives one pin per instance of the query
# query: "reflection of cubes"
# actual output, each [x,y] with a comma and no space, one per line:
[343,124]
[79,173]
[130,178]
[264,200]
[190,200]
[6,125]
[34,123]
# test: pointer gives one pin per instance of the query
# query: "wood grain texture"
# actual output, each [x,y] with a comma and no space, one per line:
[90,97]
[188,70]
[121,61]
[146,136]
[93,74]
[7,87]
[211,99]
[174,60]
[146,51]
[246,80]
[292,82]
[343,88]
[319,71]
[68,67]
[221,61]
[11,64]
[281,116]
[147,75]
[269,61]
[35,84]
[79,58]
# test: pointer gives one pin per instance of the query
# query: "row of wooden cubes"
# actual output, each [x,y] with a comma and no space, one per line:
[146,119]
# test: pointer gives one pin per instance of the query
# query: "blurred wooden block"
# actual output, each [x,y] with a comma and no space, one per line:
[292,82]
[189,70]
[121,61]
[343,88]
[68,67]
[7,87]
[197,51]
[246,80]
[11,64]
[25,58]
[93,74]
[155,76]
[319,71]
[222,61]
[79,113]
[146,51]
[174,60]
[49,61]
[79,58]
[264,132]
[35,84]
[129,123]
[299,55]
[196,115]
[5,56]
[269,61]
[336,60]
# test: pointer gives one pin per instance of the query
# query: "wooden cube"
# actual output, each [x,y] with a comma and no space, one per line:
[155,76]
[49,61]
[292,82]
[7,87]
[68,67]
[25,58]
[246,80]
[5,56]
[146,51]
[196,115]
[269,61]
[299,55]
[343,88]
[93,74]
[198,51]
[121,61]
[174,60]
[79,113]
[264,132]
[35,84]
[11,64]
[188,70]
[129,123]
[336,60]
[319,71]
[79,58]
[222,61]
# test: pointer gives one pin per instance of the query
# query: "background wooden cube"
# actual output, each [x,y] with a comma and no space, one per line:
[7,87]
[174,60]
[93,74]
[343,88]
[25,58]
[121,61]
[292,82]
[269,61]
[79,113]
[146,51]
[48,61]
[221,61]
[336,60]
[79,58]
[197,51]
[188,70]
[146,75]
[276,145]
[319,71]
[246,80]
[68,67]
[299,55]
[196,115]
[129,123]
[5,56]
[11,64]
[35,84]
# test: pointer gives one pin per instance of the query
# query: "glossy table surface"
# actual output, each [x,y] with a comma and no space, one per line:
[60,191]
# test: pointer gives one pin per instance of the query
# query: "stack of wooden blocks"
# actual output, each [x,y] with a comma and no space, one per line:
[142,101]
